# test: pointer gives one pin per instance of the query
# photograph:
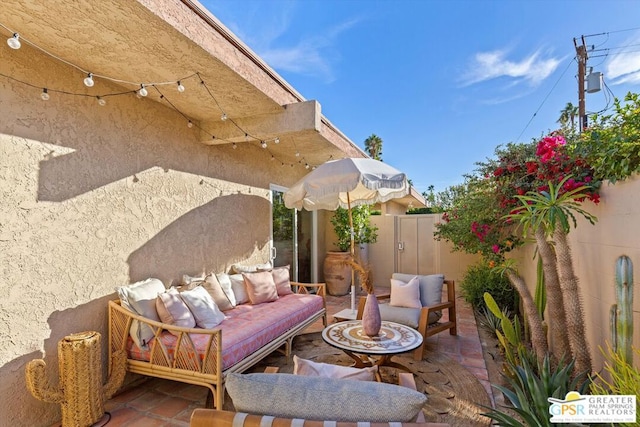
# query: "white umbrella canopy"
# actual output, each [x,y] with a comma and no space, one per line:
[346,183]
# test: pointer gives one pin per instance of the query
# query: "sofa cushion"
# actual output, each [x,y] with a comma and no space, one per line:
[310,368]
[405,294]
[239,269]
[260,287]
[220,297]
[318,398]
[140,298]
[203,308]
[225,284]
[173,310]
[281,277]
[239,288]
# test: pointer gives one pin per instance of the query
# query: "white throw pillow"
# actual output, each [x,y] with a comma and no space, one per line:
[405,294]
[327,370]
[173,310]
[239,290]
[203,308]
[140,298]
[225,284]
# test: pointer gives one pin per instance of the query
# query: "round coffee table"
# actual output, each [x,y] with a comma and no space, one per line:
[393,339]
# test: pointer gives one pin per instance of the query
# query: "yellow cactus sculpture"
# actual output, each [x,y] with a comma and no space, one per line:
[80,392]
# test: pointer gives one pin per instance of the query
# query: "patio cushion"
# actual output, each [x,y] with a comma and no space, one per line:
[140,298]
[281,276]
[260,287]
[406,316]
[405,294]
[318,398]
[225,284]
[316,369]
[173,310]
[239,288]
[430,289]
[213,286]
[203,308]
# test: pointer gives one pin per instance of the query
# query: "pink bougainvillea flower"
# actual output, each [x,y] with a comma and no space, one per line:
[495,249]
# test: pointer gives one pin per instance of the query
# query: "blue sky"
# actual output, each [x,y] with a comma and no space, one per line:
[443,83]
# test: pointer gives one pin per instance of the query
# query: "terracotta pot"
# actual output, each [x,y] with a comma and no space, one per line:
[337,274]
[371,321]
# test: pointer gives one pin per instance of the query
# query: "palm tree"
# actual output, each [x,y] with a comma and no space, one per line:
[373,146]
[568,115]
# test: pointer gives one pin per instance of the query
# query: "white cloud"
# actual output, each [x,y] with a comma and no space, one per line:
[311,56]
[624,68]
[490,65]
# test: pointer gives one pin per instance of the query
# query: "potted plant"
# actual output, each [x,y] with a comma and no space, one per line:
[337,272]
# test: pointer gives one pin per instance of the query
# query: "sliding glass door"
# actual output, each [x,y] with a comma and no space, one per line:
[292,237]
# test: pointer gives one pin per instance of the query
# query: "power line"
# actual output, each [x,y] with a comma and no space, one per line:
[612,32]
[545,98]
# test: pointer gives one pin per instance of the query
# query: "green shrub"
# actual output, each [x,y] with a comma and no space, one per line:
[479,279]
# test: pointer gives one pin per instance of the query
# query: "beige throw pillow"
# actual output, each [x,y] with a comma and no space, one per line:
[203,308]
[172,309]
[239,288]
[281,277]
[140,298]
[212,285]
[260,287]
[405,294]
[327,370]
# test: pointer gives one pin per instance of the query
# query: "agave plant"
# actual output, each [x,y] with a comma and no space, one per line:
[530,388]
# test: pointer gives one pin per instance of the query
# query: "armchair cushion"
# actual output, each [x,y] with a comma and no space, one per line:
[406,316]
[317,398]
[316,369]
[430,288]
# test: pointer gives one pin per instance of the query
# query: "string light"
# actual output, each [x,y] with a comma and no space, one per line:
[306,166]
[14,41]
[88,81]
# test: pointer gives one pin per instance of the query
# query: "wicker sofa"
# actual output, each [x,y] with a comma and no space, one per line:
[205,356]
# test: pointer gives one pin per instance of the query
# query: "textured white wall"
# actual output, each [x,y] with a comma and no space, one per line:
[96,197]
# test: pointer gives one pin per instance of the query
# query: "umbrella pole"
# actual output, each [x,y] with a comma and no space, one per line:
[353,253]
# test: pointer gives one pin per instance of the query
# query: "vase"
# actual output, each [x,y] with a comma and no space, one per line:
[337,273]
[371,321]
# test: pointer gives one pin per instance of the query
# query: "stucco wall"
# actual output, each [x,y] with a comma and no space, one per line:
[96,197]
[595,249]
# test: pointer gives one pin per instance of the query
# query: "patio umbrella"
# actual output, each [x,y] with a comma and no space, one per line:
[347,183]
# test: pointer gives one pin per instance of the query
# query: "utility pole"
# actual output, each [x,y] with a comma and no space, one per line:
[581,57]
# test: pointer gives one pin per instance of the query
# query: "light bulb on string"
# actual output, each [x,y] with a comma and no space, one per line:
[234,146]
[223,117]
[263,144]
[272,158]
[101,101]
[45,94]
[190,124]
[297,154]
[88,81]
[14,41]
[143,91]
[180,87]
[306,166]
[277,140]
[246,136]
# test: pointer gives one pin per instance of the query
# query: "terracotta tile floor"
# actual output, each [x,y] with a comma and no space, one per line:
[156,402]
